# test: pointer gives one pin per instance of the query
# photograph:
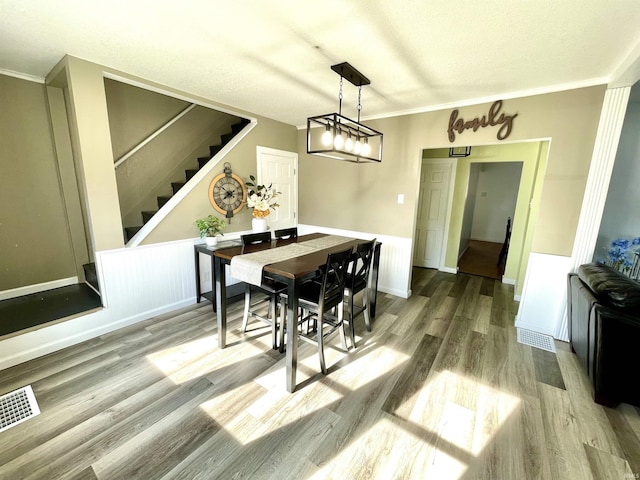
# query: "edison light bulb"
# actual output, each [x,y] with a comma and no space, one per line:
[357,147]
[327,137]
[338,142]
[348,145]
[366,149]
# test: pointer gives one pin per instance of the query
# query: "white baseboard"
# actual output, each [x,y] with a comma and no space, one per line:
[508,281]
[38,287]
[517,298]
[77,324]
[449,270]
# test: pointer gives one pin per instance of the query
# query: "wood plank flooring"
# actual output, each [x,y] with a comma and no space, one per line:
[481,258]
[439,389]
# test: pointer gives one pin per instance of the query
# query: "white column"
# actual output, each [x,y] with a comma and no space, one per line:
[595,195]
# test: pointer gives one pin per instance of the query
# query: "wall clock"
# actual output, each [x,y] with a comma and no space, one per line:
[227,192]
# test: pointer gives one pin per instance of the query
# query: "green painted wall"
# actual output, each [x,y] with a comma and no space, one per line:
[530,153]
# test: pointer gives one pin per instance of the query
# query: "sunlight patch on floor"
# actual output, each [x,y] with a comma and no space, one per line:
[242,426]
[195,359]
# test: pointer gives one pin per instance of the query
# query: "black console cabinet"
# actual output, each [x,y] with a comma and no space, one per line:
[234,292]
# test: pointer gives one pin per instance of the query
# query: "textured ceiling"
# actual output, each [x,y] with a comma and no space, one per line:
[273,57]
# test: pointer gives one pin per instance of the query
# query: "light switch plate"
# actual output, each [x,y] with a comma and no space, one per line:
[400,198]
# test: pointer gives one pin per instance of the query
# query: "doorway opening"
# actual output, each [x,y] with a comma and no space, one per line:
[527,163]
[489,215]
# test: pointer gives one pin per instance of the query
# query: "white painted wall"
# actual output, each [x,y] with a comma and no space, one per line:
[469,208]
[496,197]
[544,293]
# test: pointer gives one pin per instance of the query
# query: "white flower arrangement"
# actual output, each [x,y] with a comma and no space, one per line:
[261,198]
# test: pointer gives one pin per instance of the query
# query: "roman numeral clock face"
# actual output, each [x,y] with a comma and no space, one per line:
[227,194]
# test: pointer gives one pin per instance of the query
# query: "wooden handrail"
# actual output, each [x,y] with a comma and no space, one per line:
[130,153]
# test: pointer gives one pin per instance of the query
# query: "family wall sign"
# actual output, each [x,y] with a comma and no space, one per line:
[491,119]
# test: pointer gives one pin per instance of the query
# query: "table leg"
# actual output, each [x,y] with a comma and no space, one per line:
[293,291]
[221,302]
[375,270]
[197,255]
[213,281]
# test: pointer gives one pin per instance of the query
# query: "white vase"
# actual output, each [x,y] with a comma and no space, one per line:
[211,241]
[259,224]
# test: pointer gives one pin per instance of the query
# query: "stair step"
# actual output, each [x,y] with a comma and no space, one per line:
[237,127]
[175,186]
[225,138]
[146,216]
[189,174]
[162,201]
[202,161]
[129,232]
[91,276]
[213,149]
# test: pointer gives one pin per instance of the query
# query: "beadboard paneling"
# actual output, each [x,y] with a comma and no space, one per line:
[395,257]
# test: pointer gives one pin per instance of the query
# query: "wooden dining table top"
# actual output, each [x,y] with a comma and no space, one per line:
[293,268]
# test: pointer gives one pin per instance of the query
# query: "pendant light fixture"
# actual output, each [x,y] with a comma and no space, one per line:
[336,136]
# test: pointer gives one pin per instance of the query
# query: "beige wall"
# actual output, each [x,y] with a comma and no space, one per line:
[35,246]
[181,221]
[89,112]
[135,114]
[89,124]
[364,197]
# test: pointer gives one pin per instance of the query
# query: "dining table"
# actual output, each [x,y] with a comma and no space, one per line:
[292,262]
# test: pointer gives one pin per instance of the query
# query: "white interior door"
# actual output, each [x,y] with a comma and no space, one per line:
[432,214]
[280,168]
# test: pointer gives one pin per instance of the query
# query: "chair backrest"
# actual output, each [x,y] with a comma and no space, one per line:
[361,258]
[286,233]
[334,279]
[255,238]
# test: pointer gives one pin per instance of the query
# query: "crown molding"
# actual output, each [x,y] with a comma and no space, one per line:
[22,76]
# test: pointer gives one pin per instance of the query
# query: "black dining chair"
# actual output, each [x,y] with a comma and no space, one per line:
[286,233]
[358,281]
[269,287]
[321,303]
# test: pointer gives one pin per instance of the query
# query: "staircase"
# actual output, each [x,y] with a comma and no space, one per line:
[129,232]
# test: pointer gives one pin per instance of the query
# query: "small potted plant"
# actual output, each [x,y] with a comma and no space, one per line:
[210,227]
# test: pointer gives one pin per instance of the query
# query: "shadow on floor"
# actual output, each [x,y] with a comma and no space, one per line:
[28,311]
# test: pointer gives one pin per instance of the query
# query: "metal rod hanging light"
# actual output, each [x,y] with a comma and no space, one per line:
[335,136]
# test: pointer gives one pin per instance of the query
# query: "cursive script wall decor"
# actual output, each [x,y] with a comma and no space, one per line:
[491,119]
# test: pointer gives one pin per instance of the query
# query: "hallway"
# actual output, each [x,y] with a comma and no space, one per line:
[481,258]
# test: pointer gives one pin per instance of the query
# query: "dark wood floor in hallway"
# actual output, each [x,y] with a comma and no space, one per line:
[439,389]
[481,258]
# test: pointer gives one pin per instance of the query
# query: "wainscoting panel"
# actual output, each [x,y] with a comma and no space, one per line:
[544,293]
[395,258]
[137,283]
[141,282]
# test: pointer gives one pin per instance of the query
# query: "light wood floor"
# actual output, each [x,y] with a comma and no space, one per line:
[440,389]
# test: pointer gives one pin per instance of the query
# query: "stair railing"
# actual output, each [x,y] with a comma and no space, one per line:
[131,152]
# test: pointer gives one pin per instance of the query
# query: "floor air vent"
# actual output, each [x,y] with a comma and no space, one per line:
[535,339]
[17,406]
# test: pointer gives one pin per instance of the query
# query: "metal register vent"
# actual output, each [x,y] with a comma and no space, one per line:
[535,339]
[17,406]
